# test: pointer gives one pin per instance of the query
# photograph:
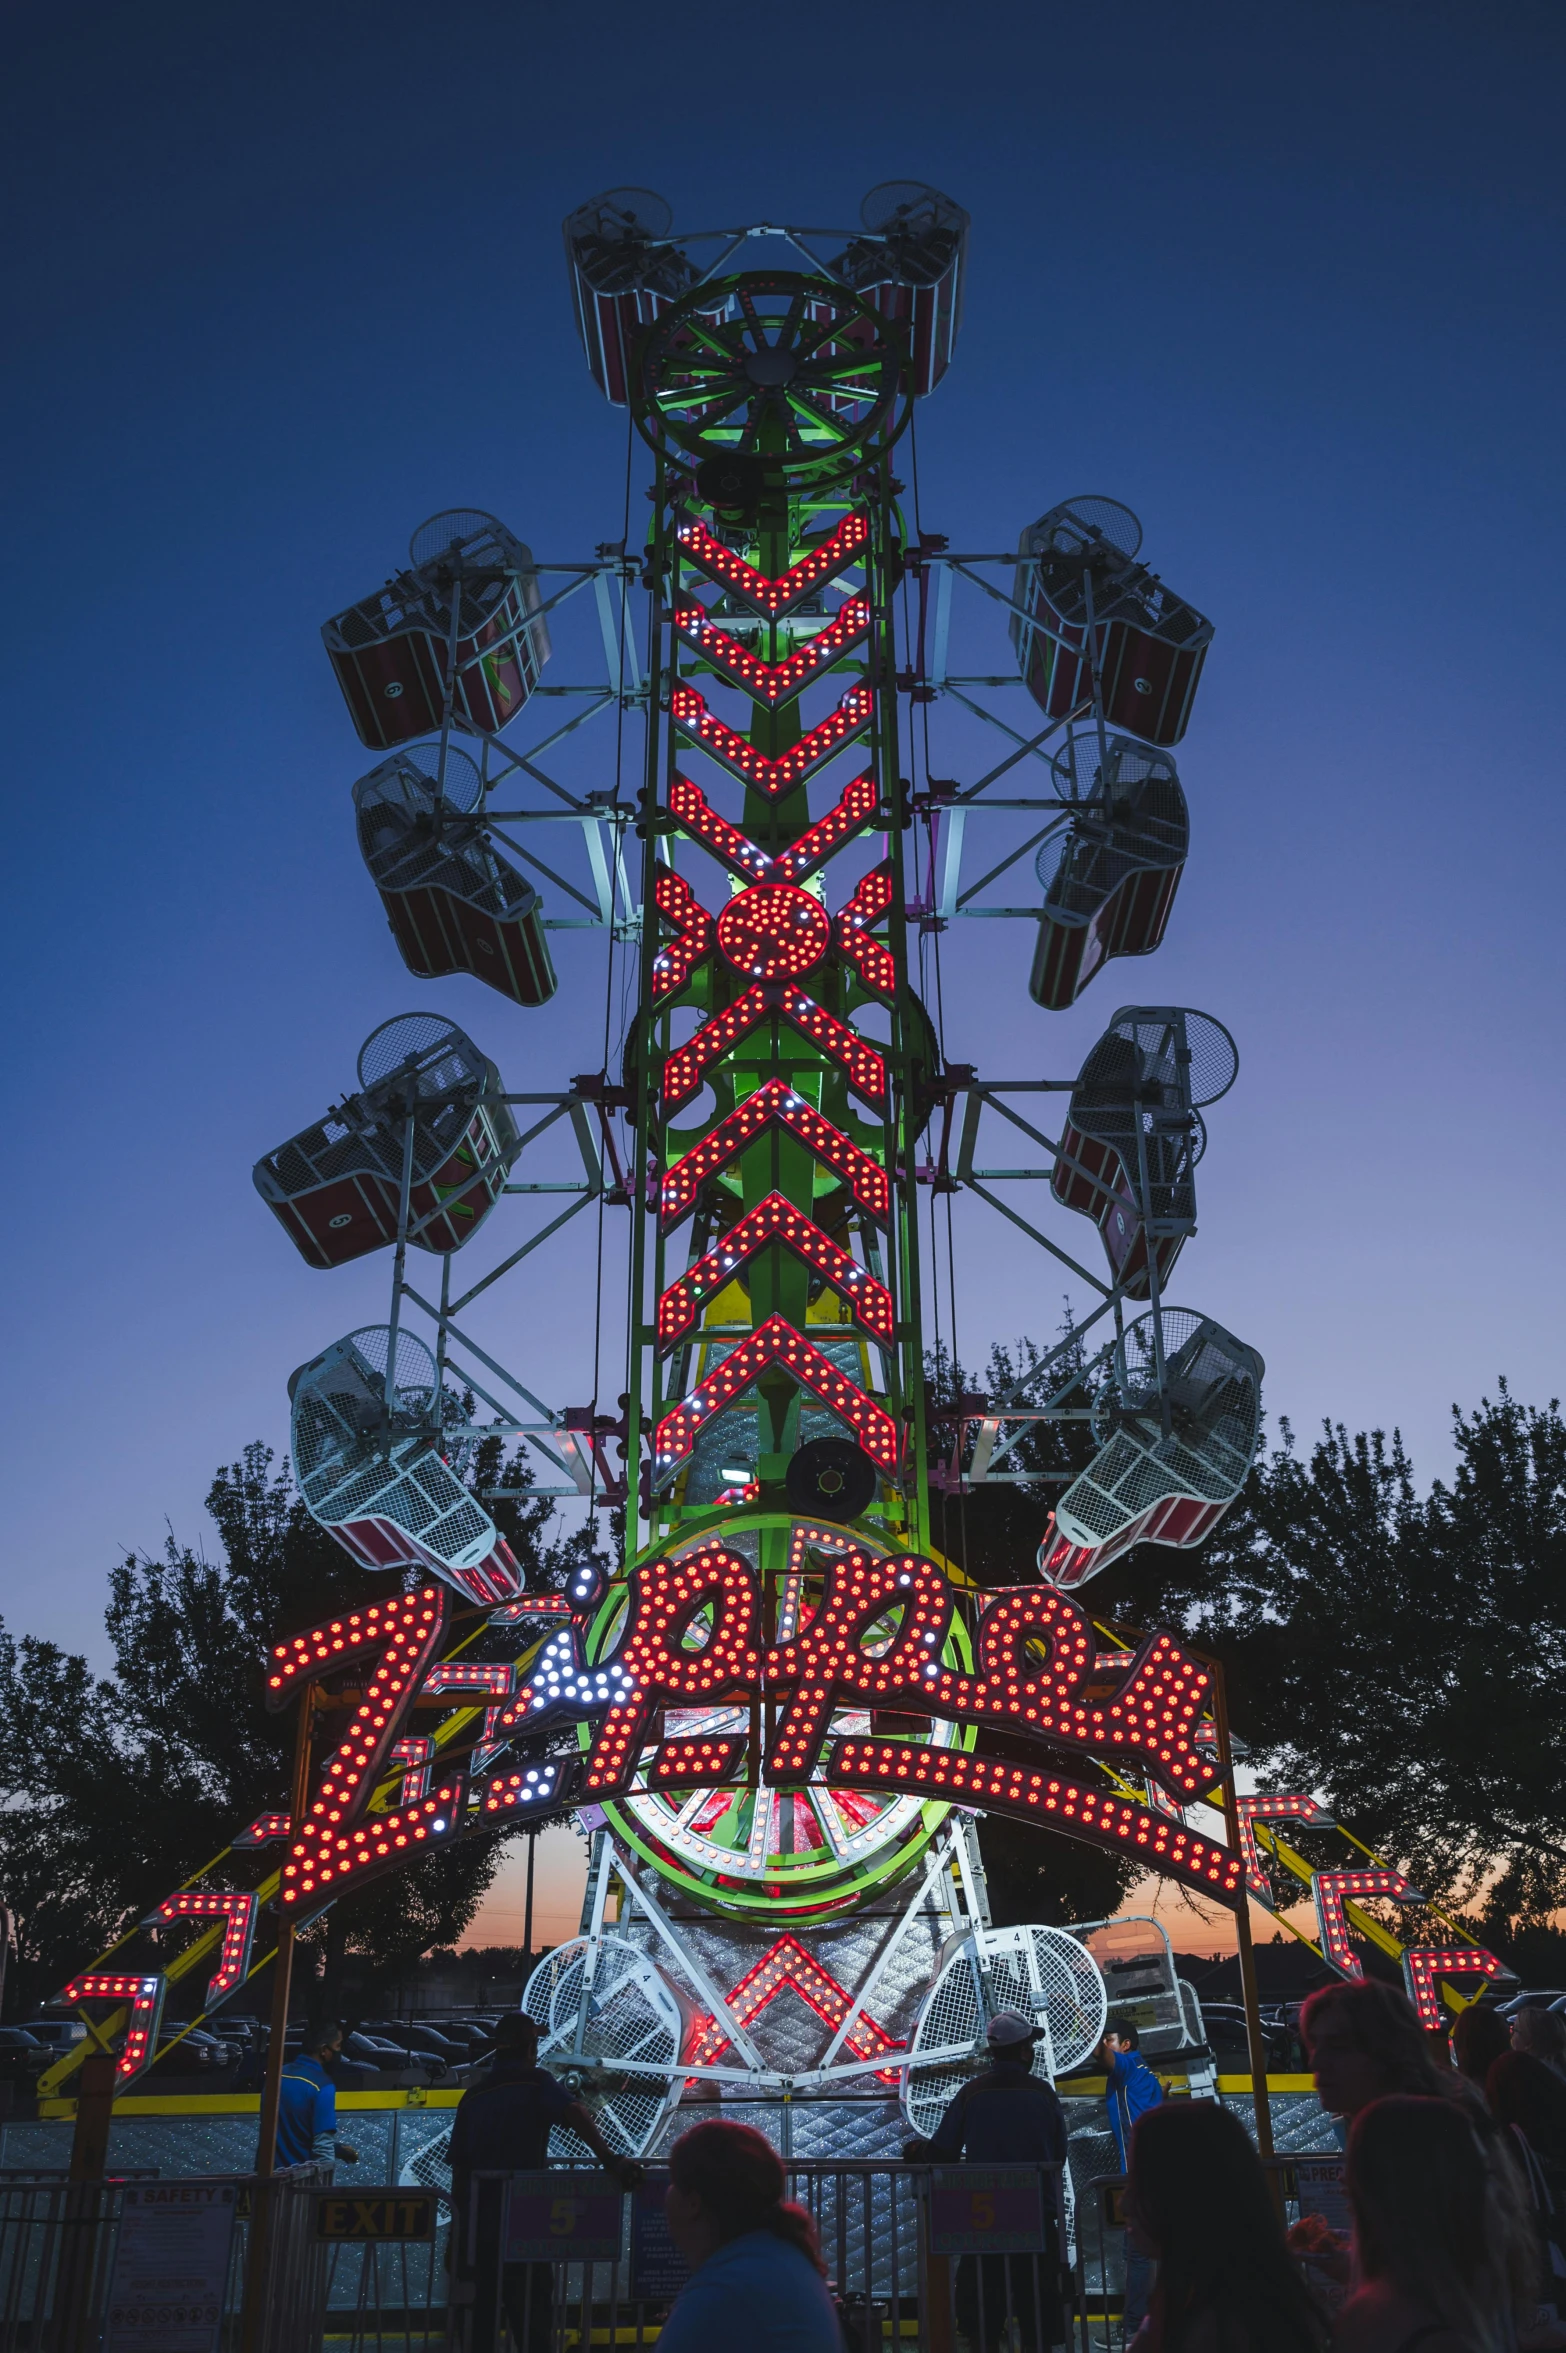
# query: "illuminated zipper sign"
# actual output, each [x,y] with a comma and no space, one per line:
[678,959]
[774,1220]
[856,806]
[1331,1889]
[789,1968]
[777,1342]
[238,1915]
[871,902]
[1307,1811]
[878,1639]
[687,1066]
[1031,1795]
[145,1996]
[338,1839]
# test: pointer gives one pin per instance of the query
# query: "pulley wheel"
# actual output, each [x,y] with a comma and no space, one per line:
[831,1478]
[796,371]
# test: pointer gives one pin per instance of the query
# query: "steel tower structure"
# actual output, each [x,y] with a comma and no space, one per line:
[782,1098]
[773,1715]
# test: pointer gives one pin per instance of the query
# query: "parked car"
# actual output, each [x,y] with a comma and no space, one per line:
[1550,1998]
[61,2034]
[468,2035]
[1282,2020]
[420,2042]
[1230,2043]
[189,2051]
[22,2056]
[374,2052]
[224,2052]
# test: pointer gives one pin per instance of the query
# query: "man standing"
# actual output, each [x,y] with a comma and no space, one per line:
[307,2108]
[502,2126]
[1130,2089]
[1006,2116]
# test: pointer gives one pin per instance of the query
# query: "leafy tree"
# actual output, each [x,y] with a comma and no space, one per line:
[114,1790]
[1403,1654]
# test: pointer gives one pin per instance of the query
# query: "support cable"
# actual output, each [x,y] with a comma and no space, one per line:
[614,889]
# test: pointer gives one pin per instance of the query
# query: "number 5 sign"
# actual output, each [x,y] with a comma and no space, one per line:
[989,2210]
[556,2217]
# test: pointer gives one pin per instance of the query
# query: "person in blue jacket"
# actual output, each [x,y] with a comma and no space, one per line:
[307,2108]
[1130,2089]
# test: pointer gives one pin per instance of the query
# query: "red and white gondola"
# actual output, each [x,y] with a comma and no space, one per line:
[336,1187]
[1096,630]
[453,903]
[1111,870]
[462,625]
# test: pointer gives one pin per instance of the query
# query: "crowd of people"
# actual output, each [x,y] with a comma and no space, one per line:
[1454,2172]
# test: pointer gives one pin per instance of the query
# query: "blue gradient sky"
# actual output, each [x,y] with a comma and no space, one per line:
[281,282]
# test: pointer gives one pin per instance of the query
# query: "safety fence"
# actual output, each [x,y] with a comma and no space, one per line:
[917,2257]
[548,2262]
[138,2265]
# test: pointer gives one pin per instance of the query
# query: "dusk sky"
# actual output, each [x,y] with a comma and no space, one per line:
[281,283]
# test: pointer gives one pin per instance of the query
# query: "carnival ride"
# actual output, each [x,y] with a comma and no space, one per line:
[774,1717]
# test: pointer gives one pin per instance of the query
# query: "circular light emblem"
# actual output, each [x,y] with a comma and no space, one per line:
[773,931]
[801,1853]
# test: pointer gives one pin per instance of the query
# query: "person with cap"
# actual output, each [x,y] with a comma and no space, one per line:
[502,2125]
[307,2102]
[1005,2116]
[1130,2089]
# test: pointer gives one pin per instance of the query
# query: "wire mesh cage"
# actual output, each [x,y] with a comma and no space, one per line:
[1178,1416]
[624,274]
[379,1463]
[1110,871]
[607,2007]
[1041,1972]
[430,1105]
[910,267]
[453,903]
[1133,1134]
[459,634]
[1086,610]
[1141,1977]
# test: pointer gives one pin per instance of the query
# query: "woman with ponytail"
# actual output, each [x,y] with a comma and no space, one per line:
[756,2276]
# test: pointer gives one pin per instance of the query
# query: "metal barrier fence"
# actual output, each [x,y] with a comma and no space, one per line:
[560,2261]
[84,2262]
[914,2254]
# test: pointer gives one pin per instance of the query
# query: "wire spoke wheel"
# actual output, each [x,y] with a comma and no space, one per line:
[797,369]
[749,1852]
